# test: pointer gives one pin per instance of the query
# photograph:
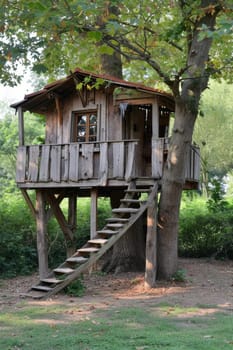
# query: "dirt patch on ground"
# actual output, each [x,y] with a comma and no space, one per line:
[208,287]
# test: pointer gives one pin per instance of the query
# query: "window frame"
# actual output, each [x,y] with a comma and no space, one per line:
[75,121]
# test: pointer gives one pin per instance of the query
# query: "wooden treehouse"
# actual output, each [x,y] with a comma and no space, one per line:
[106,137]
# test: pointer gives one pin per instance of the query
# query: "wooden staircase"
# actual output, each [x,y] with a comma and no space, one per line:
[131,208]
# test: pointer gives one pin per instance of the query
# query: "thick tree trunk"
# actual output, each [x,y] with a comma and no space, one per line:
[129,253]
[172,185]
[110,64]
[187,97]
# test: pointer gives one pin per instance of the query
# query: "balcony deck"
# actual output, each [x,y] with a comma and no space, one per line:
[111,163]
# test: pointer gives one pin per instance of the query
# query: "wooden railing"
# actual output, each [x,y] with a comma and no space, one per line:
[74,162]
[99,161]
[192,166]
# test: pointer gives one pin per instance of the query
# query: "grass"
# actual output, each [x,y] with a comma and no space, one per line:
[133,328]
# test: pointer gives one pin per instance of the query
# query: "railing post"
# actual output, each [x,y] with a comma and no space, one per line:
[21,126]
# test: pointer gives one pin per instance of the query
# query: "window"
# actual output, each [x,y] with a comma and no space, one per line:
[85,126]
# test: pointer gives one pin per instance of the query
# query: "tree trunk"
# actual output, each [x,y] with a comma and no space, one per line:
[110,64]
[129,252]
[172,185]
[187,98]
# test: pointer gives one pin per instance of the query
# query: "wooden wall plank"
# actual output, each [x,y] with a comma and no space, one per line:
[87,161]
[103,164]
[74,162]
[118,159]
[157,158]
[55,164]
[44,163]
[129,168]
[65,162]
[33,166]
[197,164]
[21,164]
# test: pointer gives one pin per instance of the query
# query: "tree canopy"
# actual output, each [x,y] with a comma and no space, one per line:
[214,129]
[56,36]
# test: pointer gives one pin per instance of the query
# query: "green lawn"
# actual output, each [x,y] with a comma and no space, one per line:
[155,327]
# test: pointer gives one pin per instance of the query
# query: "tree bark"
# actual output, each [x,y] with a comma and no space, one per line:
[110,64]
[129,252]
[172,185]
[186,111]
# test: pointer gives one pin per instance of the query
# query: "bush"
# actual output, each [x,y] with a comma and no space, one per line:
[17,237]
[18,252]
[205,232]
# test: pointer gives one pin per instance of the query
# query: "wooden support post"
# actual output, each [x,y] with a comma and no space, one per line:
[151,244]
[42,242]
[29,202]
[72,221]
[54,203]
[155,120]
[93,218]
[21,126]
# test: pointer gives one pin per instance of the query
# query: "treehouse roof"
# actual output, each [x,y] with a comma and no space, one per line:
[67,85]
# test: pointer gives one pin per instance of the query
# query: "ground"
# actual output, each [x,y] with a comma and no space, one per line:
[208,286]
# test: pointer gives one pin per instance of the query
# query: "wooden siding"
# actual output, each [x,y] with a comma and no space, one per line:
[100,161]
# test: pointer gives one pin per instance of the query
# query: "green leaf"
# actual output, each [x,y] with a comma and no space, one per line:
[94,35]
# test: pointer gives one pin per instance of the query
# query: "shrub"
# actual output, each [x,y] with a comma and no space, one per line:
[18,252]
[205,232]
[17,237]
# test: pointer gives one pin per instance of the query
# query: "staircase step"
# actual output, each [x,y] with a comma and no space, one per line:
[139,190]
[65,270]
[100,241]
[41,288]
[125,210]
[88,250]
[117,219]
[115,225]
[107,232]
[51,280]
[77,259]
[125,200]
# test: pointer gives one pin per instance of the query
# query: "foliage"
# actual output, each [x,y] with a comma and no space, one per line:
[46,35]
[179,276]
[216,202]
[131,328]
[18,253]
[17,237]
[214,129]
[76,288]
[206,231]
[34,134]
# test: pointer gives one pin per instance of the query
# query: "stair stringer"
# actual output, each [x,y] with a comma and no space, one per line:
[110,243]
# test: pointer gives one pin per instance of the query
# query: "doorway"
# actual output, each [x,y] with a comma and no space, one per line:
[137,125]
